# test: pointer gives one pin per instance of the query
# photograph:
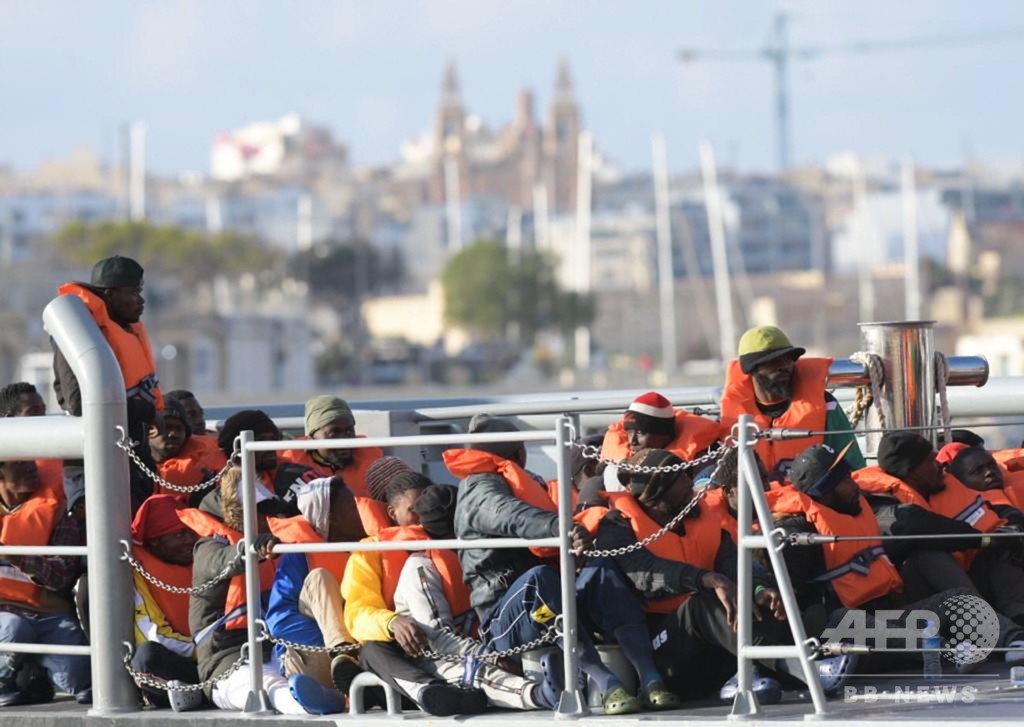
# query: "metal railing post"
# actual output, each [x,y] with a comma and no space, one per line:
[571,703]
[748,471]
[745,704]
[107,497]
[258,700]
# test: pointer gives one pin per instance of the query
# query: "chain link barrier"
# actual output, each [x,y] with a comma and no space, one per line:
[192,591]
[593,452]
[144,679]
[126,444]
[265,635]
[550,636]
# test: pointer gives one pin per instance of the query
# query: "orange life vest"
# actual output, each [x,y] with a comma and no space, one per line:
[553,494]
[858,571]
[290,530]
[374,514]
[806,410]
[1011,460]
[465,462]
[174,606]
[715,499]
[698,546]
[694,434]
[131,347]
[51,473]
[445,561]
[32,523]
[956,501]
[189,467]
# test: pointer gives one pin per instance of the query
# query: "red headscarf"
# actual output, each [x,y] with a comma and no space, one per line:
[157,516]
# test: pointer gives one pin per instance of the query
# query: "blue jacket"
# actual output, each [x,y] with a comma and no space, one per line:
[283,617]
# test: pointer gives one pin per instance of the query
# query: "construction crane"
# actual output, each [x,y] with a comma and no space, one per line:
[779,53]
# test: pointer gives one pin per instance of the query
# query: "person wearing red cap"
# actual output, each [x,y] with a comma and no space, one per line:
[162,544]
[651,422]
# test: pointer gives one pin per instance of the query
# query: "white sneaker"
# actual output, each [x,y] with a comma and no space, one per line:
[184,701]
[1017,653]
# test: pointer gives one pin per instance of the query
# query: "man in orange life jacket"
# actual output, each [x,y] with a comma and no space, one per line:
[773,383]
[194,411]
[651,422]
[517,594]
[21,399]
[306,606]
[911,495]
[35,599]
[114,298]
[328,417]
[685,577]
[163,544]
[180,457]
[978,469]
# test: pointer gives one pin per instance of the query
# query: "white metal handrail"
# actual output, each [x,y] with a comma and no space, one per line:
[45,550]
[571,703]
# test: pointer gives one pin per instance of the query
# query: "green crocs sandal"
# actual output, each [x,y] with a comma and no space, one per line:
[619,701]
[657,697]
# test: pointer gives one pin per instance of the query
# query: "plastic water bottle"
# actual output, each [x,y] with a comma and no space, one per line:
[932,655]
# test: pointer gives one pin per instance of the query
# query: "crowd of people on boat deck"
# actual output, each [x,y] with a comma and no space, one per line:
[654,530]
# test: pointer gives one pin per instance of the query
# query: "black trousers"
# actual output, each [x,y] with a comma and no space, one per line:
[387,660]
[158,660]
[695,648]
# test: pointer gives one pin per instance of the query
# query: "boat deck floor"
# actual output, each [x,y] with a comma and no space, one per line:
[986,696]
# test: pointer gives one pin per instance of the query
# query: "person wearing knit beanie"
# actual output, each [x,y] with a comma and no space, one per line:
[436,509]
[650,422]
[650,488]
[379,476]
[328,417]
[911,458]
[263,429]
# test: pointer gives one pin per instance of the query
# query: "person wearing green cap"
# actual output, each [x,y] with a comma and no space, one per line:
[772,381]
[329,417]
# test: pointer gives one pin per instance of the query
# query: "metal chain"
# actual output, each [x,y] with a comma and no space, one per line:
[551,635]
[265,635]
[192,591]
[133,456]
[594,452]
[128,446]
[143,679]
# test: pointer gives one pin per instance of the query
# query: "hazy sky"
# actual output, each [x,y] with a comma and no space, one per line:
[70,72]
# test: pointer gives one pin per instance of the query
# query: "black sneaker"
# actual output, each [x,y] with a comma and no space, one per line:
[12,698]
[34,682]
[344,669]
[444,700]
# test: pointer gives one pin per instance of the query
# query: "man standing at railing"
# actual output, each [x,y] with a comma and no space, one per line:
[35,599]
[773,383]
[517,595]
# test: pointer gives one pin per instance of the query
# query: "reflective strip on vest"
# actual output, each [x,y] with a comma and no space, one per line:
[859,563]
[973,512]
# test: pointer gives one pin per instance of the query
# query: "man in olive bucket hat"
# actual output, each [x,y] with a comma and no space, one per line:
[772,381]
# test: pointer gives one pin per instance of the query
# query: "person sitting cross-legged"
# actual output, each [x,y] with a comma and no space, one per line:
[430,611]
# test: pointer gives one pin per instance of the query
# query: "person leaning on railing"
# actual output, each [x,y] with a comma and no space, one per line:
[517,592]
[35,599]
